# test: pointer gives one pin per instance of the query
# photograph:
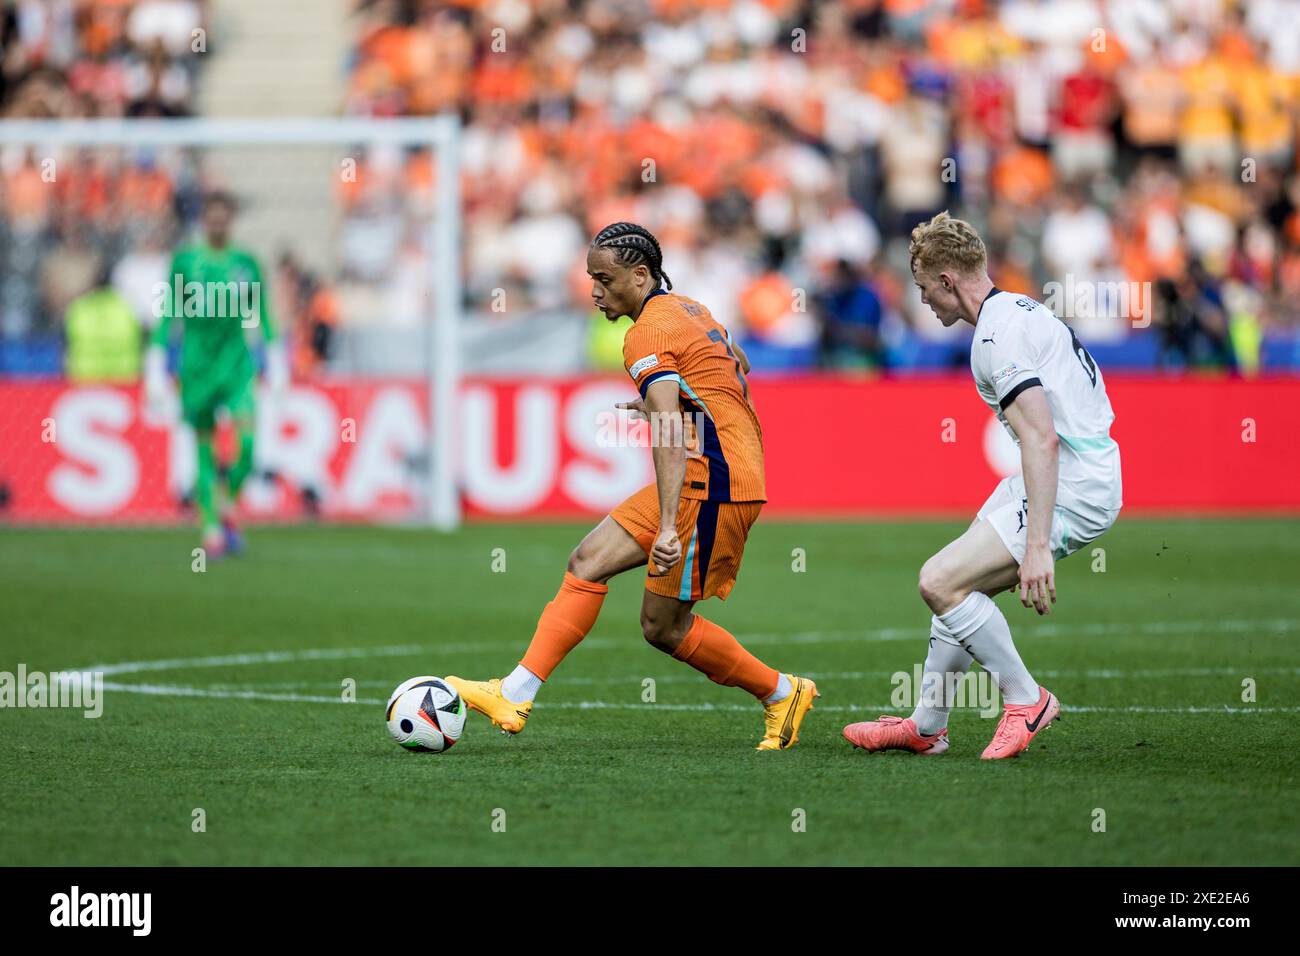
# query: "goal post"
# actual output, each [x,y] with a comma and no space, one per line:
[439,134]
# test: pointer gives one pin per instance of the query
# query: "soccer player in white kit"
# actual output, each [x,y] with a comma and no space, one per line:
[1049,394]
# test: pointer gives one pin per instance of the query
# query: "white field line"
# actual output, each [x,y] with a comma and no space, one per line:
[1107,674]
[264,657]
[286,692]
[172,690]
[179,690]
[690,678]
[1278,626]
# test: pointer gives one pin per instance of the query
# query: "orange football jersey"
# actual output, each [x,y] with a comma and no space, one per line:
[676,337]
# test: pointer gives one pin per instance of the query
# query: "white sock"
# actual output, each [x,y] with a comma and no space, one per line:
[783,690]
[522,685]
[983,630]
[945,663]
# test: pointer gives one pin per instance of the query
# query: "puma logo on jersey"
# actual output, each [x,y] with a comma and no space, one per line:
[989,340]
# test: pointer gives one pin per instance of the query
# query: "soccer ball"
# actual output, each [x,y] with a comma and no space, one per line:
[425,713]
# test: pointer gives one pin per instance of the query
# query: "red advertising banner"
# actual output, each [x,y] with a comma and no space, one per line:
[546,448]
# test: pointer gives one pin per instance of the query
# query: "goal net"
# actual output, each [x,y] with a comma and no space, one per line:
[356,226]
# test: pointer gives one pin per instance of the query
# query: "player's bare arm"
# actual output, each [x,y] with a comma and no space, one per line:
[669,452]
[1031,417]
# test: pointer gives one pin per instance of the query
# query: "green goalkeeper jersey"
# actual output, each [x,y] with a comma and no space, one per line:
[219,296]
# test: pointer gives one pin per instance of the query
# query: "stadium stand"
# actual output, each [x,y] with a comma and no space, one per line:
[1143,172]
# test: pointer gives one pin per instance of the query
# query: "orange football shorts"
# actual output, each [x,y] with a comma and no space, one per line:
[712,534]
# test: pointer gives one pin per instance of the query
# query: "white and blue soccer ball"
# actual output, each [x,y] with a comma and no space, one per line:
[425,713]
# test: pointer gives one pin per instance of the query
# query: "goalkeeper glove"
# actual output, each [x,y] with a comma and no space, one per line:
[157,386]
[277,370]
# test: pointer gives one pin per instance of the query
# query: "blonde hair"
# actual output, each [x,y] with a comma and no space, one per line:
[947,244]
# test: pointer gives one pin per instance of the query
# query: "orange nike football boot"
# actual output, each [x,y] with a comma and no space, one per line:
[1020,724]
[895,733]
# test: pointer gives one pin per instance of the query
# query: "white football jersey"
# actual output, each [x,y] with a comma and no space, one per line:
[1020,343]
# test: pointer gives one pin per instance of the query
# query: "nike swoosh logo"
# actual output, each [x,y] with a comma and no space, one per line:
[1034,726]
[787,731]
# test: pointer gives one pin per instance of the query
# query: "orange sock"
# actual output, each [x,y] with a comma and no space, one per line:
[564,622]
[717,655]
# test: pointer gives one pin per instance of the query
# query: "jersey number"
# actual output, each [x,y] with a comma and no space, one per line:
[716,336]
[1089,366]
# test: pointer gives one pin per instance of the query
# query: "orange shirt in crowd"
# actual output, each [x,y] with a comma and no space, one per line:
[1022,176]
[1152,94]
[1206,115]
[765,301]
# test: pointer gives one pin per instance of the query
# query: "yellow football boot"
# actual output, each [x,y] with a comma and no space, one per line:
[485,697]
[783,718]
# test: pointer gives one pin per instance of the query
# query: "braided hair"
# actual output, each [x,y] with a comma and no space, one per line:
[634,245]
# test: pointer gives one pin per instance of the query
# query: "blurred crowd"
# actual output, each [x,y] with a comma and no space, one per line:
[1134,158]
[62,58]
[85,233]
[783,150]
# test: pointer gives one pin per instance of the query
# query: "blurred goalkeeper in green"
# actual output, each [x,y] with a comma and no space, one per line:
[216,290]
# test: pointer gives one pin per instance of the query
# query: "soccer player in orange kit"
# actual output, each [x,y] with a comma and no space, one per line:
[691,524]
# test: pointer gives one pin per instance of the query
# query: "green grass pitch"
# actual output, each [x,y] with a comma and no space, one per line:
[246,719]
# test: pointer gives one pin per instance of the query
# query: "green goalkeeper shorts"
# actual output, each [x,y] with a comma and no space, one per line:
[200,400]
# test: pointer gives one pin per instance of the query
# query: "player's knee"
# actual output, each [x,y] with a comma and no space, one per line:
[657,629]
[933,583]
[582,563]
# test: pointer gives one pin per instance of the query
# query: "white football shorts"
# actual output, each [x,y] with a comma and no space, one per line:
[1075,523]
